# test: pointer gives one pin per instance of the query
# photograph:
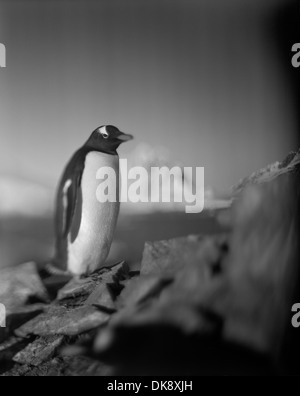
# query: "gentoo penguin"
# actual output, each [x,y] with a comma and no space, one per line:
[84,226]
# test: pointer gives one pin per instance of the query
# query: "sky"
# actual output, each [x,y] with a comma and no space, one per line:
[206,79]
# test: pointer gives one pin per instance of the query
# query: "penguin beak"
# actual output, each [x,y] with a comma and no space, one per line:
[124,137]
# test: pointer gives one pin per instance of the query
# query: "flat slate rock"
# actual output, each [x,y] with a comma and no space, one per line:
[10,347]
[108,287]
[81,306]
[21,284]
[102,296]
[19,315]
[142,288]
[98,288]
[76,288]
[39,351]
[64,321]
[169,257]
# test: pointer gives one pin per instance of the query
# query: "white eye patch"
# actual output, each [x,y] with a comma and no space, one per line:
[104,132]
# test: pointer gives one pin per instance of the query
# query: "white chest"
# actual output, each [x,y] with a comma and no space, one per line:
[98,220]
[95,162]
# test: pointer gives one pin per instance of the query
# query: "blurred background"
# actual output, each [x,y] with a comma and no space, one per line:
[198,82]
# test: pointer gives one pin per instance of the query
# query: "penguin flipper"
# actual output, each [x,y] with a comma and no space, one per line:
[67,197]
[69,194]
[68,207]
[70,198]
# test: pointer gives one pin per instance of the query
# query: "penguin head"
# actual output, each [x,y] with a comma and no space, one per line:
[107,138]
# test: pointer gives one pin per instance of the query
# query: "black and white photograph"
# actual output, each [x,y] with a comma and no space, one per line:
[149,190]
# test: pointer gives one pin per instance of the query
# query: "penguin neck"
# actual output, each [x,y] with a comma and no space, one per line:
[87,148]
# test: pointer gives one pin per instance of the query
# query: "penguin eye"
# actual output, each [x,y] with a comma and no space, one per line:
[105,135]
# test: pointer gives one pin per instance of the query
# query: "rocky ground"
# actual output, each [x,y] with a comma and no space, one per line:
[201,304]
